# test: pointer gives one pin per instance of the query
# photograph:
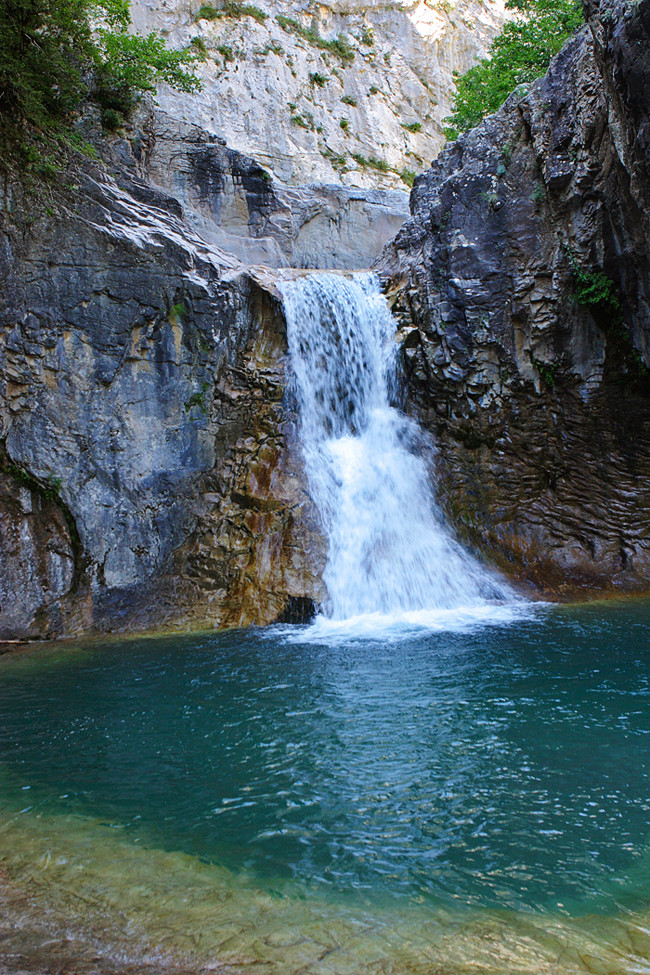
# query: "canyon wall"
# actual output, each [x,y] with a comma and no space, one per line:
[150,472]
[522,283]
[277,88]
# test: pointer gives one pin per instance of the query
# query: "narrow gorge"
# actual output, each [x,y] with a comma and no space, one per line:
[324,488]
[152,474]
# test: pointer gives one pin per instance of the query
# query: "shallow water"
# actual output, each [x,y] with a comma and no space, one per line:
[476,800]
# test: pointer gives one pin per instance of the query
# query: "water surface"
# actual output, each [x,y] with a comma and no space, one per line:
[408,796]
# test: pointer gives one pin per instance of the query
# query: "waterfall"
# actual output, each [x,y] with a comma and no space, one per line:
[390,553]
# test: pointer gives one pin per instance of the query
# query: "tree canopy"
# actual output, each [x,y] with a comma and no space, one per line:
[519,55]
[55,53]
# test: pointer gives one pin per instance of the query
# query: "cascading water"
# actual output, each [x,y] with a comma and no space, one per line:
[390,553]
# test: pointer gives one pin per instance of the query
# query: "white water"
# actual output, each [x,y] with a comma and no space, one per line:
[391,557]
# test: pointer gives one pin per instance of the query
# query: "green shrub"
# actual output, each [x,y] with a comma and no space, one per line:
[345,124]
[303,121]
[318,80]
[226,52]
[412,126]
[208,12]
[519,55]
[368,36]
[231,9]
[349,100]
[274,46]
[338,162]
[51,59]
[373,90]
[371,162]
[199,46]
[379,164]
[407,176]
[339,46]
[594,289]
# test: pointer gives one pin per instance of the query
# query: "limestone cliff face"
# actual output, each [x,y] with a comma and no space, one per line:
[233,202]
[523,285]
[272,93]
[148,475]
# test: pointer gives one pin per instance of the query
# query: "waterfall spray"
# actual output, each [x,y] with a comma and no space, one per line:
[390,552]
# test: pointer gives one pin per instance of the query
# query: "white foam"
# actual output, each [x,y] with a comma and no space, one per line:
[392,560]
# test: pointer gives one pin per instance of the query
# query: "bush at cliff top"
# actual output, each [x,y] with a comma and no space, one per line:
[54,53]
[519,55]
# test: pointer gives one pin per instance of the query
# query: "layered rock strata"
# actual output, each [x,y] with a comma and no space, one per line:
[148,475]
[522,283]
[235,203]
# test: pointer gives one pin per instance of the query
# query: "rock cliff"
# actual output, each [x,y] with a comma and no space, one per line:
[279,86]
[147,472]
[522,282]
[233,202]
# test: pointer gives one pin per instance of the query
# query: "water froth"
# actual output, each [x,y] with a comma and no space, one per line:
[392,559]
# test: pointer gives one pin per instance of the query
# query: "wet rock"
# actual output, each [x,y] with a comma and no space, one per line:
[540,400]
[150,474]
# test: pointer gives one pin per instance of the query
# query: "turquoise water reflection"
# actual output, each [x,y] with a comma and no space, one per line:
[506,767]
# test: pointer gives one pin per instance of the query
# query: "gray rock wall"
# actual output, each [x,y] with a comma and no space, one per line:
[143,422]
[235,203]
[523,283]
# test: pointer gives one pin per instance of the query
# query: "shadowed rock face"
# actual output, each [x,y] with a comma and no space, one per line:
[148,471]
[522,282]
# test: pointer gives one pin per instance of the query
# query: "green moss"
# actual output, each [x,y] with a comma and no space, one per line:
[547,372]
[177,312]
[538,194]
[50,488]
[344,124]
[198,399]
[412,126]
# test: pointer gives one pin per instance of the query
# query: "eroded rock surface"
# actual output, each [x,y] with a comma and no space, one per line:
[235,203]
[522,283]
[149,476]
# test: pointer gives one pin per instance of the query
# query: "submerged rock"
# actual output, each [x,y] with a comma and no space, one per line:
[525,270]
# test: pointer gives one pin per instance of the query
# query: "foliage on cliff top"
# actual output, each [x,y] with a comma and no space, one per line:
[55,53]
[519,55]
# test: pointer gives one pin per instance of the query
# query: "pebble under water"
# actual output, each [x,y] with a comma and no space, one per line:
[478,799]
